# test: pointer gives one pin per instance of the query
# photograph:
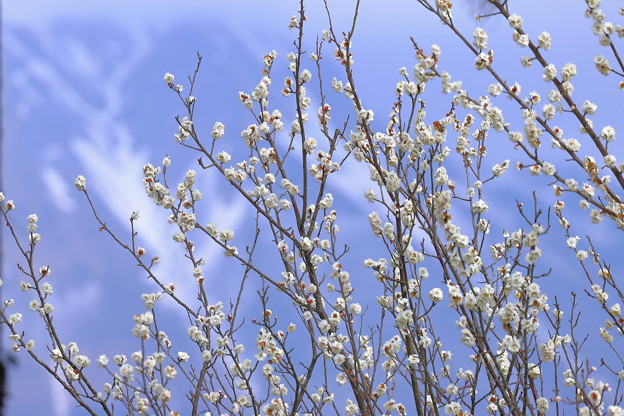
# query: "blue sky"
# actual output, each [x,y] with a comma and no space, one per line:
[84,94]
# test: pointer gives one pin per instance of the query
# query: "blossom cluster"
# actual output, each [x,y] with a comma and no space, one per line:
[330,333]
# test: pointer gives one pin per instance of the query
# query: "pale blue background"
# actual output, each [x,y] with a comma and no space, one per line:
[84,94]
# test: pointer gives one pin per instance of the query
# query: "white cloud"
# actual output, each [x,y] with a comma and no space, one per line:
[61,195]
[113,174]
[62,402]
